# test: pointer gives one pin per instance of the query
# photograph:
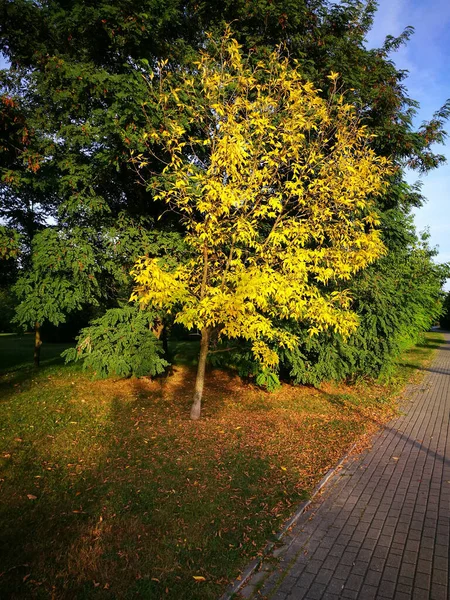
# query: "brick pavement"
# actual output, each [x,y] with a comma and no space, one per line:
[380,529]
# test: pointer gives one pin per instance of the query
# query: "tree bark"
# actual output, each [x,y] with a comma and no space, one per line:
[200,379]
[37,344]
[204,347]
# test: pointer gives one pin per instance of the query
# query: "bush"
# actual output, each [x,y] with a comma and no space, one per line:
[121,343]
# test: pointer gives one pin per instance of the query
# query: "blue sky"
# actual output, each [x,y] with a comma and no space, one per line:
[427,58]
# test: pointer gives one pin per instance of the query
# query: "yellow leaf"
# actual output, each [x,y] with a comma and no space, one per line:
[254,125]
[199,578]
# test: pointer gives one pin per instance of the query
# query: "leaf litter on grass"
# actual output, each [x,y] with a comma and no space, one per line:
[131,498]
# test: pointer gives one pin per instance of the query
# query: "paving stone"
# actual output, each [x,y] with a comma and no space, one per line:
[440,576]
[377,564]
[335,586]
[423,581]
[405,581]
[394,560]
[419,594]
[402,595]
[381,552]
[350,594]
[424,566]
[440,562]
[439,592]
[316,591]
[403,588]
[390,574]
[324,576]
[368,592]
[386,589]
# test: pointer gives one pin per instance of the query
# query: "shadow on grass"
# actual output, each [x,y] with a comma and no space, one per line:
[414,367]
[129,504]
[16,353]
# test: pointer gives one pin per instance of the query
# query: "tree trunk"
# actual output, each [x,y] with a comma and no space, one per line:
[167,352]
[37,344]
[165,343]
[200,379]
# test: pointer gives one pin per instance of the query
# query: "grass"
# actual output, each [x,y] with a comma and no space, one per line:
[109,491]
[16,352]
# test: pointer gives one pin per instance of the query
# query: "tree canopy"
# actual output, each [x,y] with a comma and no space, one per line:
[276,191]
[75,104]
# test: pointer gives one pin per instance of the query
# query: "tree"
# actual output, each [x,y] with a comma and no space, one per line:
[276,193]
[9,250]
[71,101]
[445,319]
[397,298]
[122,342]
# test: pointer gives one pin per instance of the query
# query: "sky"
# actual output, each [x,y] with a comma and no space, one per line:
[427,59]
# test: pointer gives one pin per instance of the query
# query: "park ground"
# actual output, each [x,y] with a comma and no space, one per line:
[108,490]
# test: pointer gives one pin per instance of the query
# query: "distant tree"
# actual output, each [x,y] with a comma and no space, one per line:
[445,317]
[9,250]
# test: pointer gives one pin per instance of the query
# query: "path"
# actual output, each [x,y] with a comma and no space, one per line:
[381,527]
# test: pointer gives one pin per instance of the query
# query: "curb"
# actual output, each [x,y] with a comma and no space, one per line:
[235,587]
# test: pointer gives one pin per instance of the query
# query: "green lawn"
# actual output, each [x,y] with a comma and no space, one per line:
[108,490]
[16,352]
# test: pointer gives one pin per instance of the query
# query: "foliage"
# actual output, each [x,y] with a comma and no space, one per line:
[274,191]
[121,343]
[9,250]
[9,243]
[396,299]
[7,304]
[71,111]
[64,276]
[445,317]
[84,266]
[237,355]
[77,81]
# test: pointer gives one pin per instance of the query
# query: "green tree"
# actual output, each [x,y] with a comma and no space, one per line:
[445,317]
[396,299]
[72,100]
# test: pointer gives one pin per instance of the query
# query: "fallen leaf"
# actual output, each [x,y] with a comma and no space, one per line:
[31,497]
[199,578]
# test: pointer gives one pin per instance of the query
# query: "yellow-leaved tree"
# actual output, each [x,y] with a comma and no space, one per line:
[275,186]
